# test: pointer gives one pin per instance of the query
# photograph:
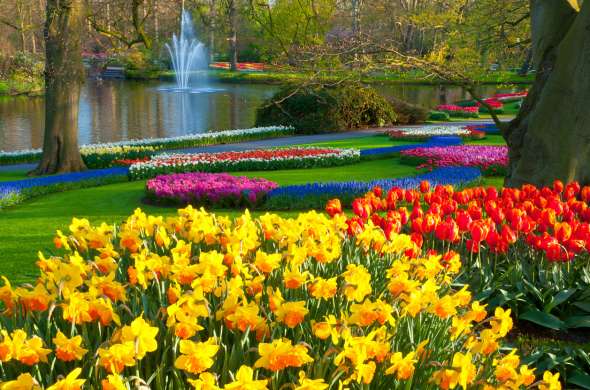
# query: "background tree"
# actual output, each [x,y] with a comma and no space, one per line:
[285,26]
[232,6]
[64,74]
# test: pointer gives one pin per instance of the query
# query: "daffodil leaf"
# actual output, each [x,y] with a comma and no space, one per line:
[580,379]
[544,319]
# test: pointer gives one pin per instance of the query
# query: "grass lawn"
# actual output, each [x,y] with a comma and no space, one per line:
[30,227]
[12,175]
[369,142]
[491,139]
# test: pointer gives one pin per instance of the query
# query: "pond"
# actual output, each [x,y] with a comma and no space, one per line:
[113,110]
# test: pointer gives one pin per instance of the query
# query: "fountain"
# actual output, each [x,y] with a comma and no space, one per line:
[189,56]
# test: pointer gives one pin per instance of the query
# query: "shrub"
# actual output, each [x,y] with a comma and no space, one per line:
[317,110]
[438,116]
[407,113]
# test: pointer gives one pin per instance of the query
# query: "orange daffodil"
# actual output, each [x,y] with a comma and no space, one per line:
[281,354]
[196,357]
[303,296]
[68,350]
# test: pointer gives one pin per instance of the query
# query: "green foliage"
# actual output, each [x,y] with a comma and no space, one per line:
[438,116]
[20,74]
[289,24]
[569,358]
[317,110]
[408,114]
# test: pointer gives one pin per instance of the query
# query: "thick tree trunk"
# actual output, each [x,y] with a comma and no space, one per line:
[550,137]
[64,74]
[233,39]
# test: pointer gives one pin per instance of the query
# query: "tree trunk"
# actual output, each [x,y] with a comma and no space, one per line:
[64,74]
[212,27]
[550,137]
[233,39]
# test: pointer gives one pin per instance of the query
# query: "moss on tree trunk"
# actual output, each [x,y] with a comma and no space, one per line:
[64,75]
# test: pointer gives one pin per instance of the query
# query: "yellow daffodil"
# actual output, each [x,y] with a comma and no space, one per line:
[244,380]
[196,357]
[142,335]
[70,382]
[281,354]
[22,382]
[68,350]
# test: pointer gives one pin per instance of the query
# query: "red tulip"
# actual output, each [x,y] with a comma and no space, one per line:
[424,186]
[508,235]
[334,207]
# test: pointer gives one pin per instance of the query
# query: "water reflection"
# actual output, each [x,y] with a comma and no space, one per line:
[119,110]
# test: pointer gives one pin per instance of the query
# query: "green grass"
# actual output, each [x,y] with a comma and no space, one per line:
[369,142]
[30,227]
[12,175]
[407,77]
[491,139]
[364,171]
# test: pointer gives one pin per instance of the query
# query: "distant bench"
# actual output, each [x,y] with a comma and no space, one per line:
[113,72]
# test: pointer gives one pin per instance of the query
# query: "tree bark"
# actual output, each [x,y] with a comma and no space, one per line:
[233,39]
[212,27]
[64,75]
[550,137]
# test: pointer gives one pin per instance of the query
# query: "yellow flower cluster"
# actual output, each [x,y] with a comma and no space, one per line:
[113,149]
[201,301]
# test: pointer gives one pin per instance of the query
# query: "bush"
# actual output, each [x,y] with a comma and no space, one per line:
[408,114]
[317,110]
[438,116]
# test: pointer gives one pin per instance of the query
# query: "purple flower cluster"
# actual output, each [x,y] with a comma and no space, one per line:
[482,157]
[209,189]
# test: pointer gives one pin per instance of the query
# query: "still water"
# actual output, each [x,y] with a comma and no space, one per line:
[119,110]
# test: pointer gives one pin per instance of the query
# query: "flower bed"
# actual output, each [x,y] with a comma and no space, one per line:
[315,195]
[423,133]
[510,97]
[458,111]
[525,248]
[208,189]
[184,141]
[270,303]
[273,159]
[545,230]
[496,105]
[492,160]
[96,157]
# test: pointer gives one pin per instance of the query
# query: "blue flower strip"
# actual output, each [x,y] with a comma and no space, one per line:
[443,176]
[15,187]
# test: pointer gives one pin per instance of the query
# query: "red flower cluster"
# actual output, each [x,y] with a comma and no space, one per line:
[129,162]
[454,107]
[510,96]
[493,102]
[553,220]
[264,154]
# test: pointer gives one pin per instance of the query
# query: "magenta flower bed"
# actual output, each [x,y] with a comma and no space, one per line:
[208,189]
[490,159]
